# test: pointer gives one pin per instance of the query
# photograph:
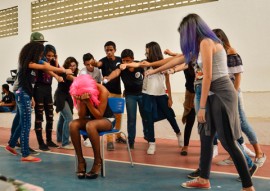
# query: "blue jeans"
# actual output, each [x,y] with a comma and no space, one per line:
[22,122]
[131,106]
[5,109]
[65,118]
[197,99]
[149,111]
[245,126]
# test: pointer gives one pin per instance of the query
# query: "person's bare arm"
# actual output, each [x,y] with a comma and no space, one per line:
[168,86]
[170,53]
[70,77]
[8,104]
[130,65]
[164,62]
[237,75]
[237,81]
[176,60]
[206,49]
[81,107]
[47,66]
[98,111]
[114,74]
[57,77]
[97,63]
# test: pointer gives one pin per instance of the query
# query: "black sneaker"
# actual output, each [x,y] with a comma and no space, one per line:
[194,174]
[252,171]
[52,144]
[33,152]
[44,147]
[145,138]
[131,145]
[121,140]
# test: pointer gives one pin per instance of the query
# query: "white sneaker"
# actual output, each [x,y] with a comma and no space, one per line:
[248,151]
[152,148]
[87,143]
[68,147]
[225,162]
[180,140]
[215,151]
[260,161]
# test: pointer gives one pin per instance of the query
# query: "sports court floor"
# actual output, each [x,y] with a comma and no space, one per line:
[165,170]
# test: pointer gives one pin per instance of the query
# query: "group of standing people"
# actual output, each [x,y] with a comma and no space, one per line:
[204,59]
[217,109]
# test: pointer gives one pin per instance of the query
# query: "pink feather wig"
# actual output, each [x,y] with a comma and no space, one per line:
[84,84]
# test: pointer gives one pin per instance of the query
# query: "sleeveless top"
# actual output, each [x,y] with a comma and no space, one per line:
[219,64]
[107,114]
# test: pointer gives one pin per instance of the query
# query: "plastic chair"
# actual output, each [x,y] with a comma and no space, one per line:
[117,105]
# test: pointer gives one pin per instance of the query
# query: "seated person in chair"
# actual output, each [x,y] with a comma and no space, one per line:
[8,102]
[95,115]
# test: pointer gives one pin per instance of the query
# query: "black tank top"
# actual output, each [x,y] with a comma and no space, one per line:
[107,114]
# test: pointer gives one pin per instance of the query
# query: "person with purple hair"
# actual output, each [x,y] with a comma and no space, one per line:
[200,46]
[95,115]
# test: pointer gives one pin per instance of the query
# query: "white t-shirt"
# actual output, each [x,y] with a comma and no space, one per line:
[96,74]
[154,85]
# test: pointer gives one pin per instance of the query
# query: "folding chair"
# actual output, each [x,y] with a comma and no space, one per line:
[117,105]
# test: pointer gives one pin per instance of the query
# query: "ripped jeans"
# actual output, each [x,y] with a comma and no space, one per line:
[21,122]
[44,102]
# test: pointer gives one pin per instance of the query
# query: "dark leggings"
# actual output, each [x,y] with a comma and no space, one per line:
[223,129]
[189,125]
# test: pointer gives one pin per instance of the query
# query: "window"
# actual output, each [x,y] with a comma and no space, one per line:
[48,14]
[9,22]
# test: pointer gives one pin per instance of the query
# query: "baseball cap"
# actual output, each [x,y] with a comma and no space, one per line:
[37,37]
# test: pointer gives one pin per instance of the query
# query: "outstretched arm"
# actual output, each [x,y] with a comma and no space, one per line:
[113,75]
[168,86]
[131,65]
[176,60]
[47,66]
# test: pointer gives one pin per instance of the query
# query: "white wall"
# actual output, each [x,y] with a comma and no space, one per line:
[246,23]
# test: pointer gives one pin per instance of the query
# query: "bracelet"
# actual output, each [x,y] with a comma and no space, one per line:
[202,108]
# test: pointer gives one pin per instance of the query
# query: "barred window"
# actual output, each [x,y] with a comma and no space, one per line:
[48,14]
[9,22]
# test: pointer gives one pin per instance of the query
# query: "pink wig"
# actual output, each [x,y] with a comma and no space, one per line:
[85,84]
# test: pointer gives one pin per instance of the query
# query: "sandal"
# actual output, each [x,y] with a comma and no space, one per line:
[81,174]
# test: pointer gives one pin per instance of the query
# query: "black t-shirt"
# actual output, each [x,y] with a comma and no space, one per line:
[62,94]
[190,77]
[9,98]
[133,81]
[26,79]
[113,86]
[43,77]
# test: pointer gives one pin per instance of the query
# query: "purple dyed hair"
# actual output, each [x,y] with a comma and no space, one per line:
[192,31]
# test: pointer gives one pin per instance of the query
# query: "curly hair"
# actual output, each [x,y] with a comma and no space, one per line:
[31,52]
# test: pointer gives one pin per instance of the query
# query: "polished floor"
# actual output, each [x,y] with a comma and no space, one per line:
[163,171]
